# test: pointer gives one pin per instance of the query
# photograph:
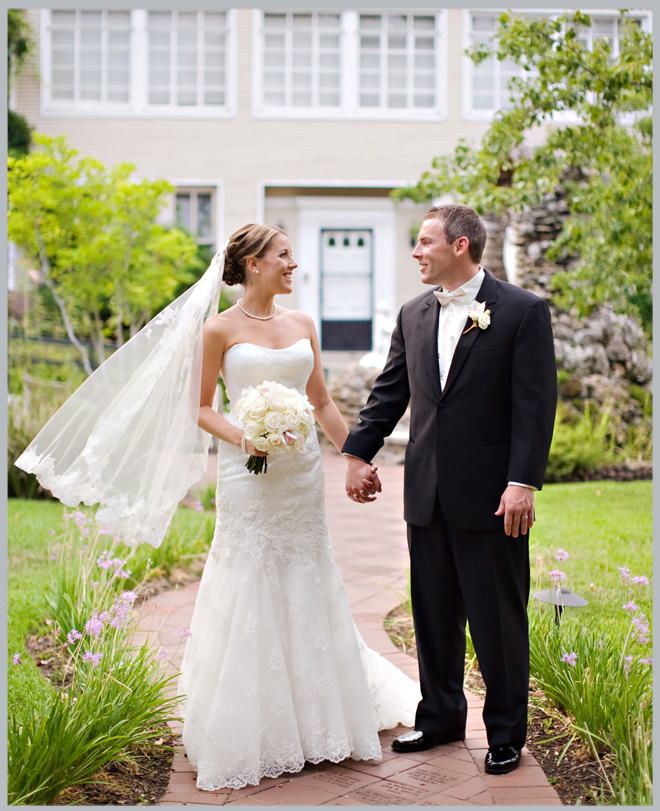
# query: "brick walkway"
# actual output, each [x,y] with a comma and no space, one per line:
[370,548]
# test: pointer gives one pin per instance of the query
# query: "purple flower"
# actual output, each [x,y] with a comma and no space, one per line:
[94,626]
[94,658]
[105,616]
[641,628]
[561,555]
[648,660]
[182,633]
[81,521]
[640,580]
[630,607]
[557,576]
[17,659]
[625,572]
[162,654]
[128,597]
[53,556]
[212,501]
[199,507]
[73,635]
[569,658]
[626,667]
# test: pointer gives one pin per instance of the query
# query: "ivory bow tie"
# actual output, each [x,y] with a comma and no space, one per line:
[444,297]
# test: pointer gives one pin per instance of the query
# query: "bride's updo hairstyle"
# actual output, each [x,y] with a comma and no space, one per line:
[250,240]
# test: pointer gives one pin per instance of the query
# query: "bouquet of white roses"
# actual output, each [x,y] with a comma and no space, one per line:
[274,418]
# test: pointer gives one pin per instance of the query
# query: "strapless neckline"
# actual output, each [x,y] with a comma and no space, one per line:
[269,348]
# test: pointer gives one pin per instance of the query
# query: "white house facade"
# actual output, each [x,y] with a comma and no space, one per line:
[306,120]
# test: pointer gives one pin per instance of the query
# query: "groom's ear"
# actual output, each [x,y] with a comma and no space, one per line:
[462,246]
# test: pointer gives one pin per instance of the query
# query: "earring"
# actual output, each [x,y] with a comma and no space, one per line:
[256,271]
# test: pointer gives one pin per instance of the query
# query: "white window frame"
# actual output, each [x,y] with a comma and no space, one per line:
[349,107]
[563,116]
[203,185]
[137,105]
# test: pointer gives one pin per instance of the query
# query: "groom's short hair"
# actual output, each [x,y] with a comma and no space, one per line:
[461,221]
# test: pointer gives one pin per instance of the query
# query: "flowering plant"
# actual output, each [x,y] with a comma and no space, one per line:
[274,418]
[480,316]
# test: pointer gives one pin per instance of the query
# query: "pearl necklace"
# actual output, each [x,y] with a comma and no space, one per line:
[258,317]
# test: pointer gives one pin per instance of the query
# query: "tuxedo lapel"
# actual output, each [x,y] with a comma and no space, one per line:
[487,293]
[430,313]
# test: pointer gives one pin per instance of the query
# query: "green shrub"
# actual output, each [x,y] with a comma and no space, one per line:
[112,695]
[19,134]
[580,445]
[600,670]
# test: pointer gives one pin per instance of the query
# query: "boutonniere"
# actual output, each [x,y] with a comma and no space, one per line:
[480,316]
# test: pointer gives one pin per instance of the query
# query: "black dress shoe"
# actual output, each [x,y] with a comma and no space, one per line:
[502,759]
[417,741]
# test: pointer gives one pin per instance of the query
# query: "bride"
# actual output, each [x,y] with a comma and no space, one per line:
[275,673]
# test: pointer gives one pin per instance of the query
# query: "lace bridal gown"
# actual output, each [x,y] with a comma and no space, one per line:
[275,672]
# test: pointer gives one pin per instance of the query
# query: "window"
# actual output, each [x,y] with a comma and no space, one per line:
[398,61]
[487,83]
[607,28]
[90,57]
[301,60]
[349,64]
[489,80]
[138,62]
[187,58]
[194,212]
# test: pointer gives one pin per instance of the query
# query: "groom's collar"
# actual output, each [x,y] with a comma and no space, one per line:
[487,291]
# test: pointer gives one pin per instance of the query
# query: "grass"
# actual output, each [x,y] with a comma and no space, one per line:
[602,525]
[607,692]
[34,534]
[61,738]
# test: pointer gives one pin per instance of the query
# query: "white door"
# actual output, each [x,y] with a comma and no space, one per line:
[346,290]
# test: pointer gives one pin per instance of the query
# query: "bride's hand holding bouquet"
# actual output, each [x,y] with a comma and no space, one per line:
[275,419]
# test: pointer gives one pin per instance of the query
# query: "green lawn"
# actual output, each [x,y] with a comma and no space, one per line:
[602,525]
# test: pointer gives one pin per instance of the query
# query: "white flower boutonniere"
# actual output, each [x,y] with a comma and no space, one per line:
[480,316]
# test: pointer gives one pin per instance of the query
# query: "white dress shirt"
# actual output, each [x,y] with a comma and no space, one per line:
[451,326]
[452,323]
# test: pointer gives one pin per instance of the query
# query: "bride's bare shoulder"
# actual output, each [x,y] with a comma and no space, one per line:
[220,325]
[297,317]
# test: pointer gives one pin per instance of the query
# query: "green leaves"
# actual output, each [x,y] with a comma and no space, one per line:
[597,111]
[95,236]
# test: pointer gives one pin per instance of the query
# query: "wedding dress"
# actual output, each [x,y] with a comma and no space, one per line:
[275,672]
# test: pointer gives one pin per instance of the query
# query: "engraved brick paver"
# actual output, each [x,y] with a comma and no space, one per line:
[371,551]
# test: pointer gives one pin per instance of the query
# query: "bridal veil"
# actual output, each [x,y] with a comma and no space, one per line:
[128,438]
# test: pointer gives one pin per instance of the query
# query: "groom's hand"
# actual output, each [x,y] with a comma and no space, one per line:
[517,506]
[362,480]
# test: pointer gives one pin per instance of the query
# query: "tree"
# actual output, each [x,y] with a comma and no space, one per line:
[94,236]
[19,44]
[602,158]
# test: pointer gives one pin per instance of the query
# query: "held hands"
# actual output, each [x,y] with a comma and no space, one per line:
[362,482]
[517,506]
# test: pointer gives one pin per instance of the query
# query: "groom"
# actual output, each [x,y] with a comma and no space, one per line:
[475,359]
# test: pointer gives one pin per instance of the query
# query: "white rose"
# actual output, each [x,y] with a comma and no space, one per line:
[273,421]
[257,408]
[277,402]
[261,443]
[251,430]
[290,418]
[275,441]
[484,320]
[306,418]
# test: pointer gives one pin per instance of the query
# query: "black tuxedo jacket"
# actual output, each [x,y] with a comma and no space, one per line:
[491,424]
